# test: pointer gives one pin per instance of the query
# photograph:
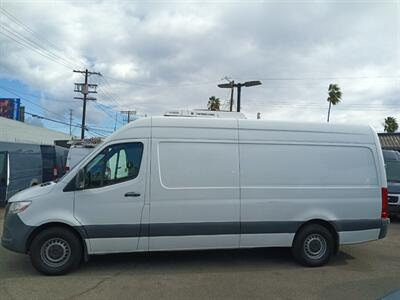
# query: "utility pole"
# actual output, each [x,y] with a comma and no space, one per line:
[85,89]
[70,122]
[129,113]
[115,125]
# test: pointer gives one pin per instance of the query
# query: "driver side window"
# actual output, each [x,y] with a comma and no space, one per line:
[116,163]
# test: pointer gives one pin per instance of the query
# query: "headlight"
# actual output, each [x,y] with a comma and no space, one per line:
[17,207]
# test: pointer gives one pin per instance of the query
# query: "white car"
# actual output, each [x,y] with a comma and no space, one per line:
[76,153]
[178,183]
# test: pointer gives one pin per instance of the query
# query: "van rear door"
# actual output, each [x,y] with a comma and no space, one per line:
[48,163]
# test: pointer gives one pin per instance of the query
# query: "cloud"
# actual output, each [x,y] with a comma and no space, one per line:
[34,121]
[159,56]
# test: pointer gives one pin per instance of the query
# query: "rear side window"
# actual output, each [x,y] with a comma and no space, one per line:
[391,155]
[116,163]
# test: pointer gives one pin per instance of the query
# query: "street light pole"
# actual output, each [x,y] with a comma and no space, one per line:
[239,85]
[231,100]
[239,91]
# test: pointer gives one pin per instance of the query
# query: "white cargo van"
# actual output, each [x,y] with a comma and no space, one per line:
[167,183]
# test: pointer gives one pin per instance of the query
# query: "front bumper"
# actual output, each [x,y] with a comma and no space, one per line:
[384,228]
[15,233]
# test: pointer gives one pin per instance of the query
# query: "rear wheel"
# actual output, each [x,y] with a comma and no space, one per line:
[313,245]
[56,251]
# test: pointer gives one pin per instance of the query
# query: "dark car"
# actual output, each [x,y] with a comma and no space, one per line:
[392,164]
[25,165]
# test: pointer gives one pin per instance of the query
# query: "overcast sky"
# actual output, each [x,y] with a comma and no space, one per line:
[161,55]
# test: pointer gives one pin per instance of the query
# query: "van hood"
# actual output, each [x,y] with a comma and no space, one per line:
[33,192]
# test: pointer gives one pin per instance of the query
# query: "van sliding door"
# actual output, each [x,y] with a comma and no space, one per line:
[195,201]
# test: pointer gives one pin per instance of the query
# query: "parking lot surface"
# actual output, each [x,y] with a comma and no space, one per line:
[365,271]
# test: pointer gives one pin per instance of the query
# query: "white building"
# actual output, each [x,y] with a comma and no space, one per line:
[20,132]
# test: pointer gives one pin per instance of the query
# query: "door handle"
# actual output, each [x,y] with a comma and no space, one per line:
[131,194]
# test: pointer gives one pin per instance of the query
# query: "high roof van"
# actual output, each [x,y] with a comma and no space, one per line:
[181,183]
[392,164]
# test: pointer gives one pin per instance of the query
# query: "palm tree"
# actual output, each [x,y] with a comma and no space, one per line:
[391,124]
[213,103]
[334,96]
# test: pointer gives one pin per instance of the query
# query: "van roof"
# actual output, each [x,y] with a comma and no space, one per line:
[226,123]
[246,123]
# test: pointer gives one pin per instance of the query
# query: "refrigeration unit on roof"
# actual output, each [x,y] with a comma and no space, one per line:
[204,114]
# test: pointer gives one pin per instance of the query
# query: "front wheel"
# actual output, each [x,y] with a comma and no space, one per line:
[313,245]
[56,251]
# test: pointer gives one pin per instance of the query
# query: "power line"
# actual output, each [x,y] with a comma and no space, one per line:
[35,42]
[70,121]
[317,107]
[128,113]
[98,133]
[37,46]
[109,96]
[305,103]
[35,50]
[11,91]
[36,96]
[188,84]
[98,105]
[34,33]
[33,103]
[50,119]
[68,124]
[34,46]
[106,83]
[328,78]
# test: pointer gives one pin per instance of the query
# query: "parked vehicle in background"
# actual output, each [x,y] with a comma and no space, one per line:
[179,183]
[392,164]
[77,152]
[26,165]
[61,160]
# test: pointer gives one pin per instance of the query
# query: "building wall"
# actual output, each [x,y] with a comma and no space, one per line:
[390,141]
[15,131]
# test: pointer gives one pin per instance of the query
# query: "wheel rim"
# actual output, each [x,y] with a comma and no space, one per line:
[315,246]
[55,252]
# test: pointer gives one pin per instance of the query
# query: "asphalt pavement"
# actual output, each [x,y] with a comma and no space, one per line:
[363,271]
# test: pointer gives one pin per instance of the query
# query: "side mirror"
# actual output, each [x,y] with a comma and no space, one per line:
[80,180]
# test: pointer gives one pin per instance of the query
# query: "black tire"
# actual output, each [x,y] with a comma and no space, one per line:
[313,245]
[56,251]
